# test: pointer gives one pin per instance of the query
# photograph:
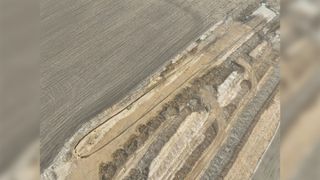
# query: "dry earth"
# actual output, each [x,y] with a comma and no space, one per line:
[211,114]
[94,53]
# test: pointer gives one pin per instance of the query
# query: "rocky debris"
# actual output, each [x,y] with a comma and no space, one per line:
[228,110]
[193,99]
[156,146]
[218,75]
[108,170]
[210,134]
[131,145]
[243,122]
[120,156]
[136,174]
[183,104]
[246,85]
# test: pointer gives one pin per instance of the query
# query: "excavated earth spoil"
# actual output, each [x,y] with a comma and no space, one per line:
[212,105]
